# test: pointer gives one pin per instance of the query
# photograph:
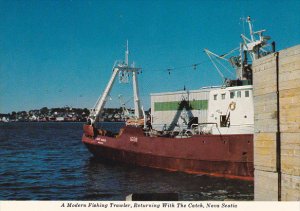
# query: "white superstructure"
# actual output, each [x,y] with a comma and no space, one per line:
[232,110]
[227,109]
[223,110]
[175,110]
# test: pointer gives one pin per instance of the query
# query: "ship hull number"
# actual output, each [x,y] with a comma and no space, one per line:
[133,139]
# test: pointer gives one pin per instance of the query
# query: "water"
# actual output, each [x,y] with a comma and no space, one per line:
[47,161]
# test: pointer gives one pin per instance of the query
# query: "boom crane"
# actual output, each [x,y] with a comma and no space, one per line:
[124,70]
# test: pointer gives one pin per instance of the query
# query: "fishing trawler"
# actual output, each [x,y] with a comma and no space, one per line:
[207,131]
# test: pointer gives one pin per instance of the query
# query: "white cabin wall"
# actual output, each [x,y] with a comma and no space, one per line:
[241,118]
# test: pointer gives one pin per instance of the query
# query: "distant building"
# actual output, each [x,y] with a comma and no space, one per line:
[60,119]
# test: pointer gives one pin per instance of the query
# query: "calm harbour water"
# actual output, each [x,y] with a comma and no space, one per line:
[47,161]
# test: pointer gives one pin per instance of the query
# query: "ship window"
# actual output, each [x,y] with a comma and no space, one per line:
[215,97]
[231,95]
[239,94]
[247,93]
[223,96]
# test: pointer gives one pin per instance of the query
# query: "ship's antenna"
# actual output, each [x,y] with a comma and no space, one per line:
[242,20]
[250,28]
[126,54]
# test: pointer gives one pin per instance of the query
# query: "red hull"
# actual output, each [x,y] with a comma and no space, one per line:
[229,156]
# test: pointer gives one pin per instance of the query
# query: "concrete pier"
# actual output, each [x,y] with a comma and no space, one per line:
[276,82]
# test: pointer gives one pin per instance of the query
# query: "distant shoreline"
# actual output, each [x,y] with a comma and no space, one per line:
[106,121]
[64,114]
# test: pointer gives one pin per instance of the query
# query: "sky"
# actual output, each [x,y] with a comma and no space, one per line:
[61,52]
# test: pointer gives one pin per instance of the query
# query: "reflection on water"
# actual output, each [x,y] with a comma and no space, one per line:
[47,161]
[121,180]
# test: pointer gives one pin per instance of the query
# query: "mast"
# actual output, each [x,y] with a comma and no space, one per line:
[250,28]
[250,49]
[126,54]
[137,105]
